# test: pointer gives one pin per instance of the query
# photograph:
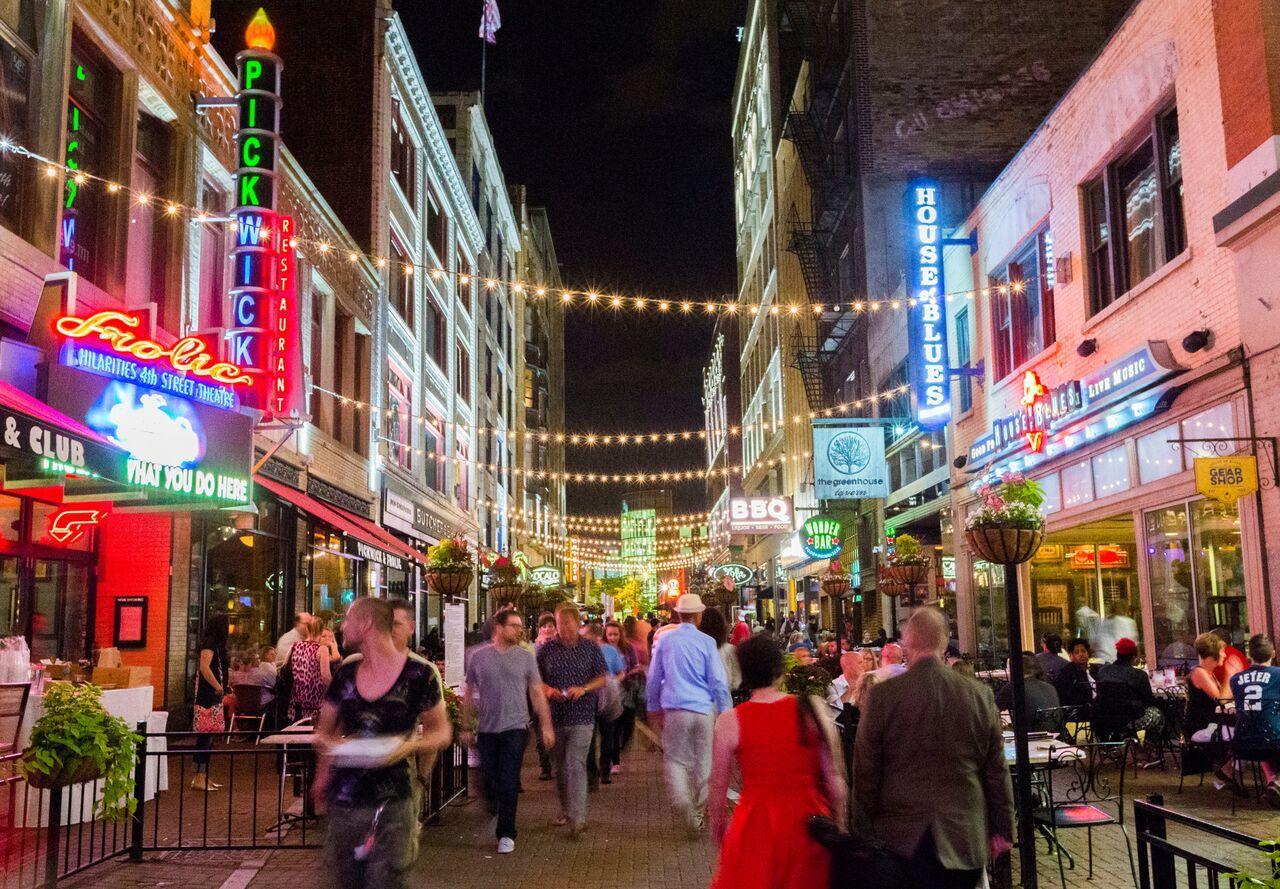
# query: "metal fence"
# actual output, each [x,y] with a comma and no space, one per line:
[1201,854]
[263,801]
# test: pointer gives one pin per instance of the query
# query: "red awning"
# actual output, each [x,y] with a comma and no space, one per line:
[357,527]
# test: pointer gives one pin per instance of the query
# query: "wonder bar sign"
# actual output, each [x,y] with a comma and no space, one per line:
[931,386]
[264,336]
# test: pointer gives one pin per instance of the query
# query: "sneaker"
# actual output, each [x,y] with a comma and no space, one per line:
[506,845]
[1272,793]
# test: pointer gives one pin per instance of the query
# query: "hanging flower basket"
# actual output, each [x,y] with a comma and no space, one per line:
[836,587]
[505,593]
[77,772]
[1005,544]
[450,581]
[906,575]
[1008,528]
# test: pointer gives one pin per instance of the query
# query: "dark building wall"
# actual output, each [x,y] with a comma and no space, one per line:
[331,52]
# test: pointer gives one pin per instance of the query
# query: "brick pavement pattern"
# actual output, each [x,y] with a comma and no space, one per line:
[631,843]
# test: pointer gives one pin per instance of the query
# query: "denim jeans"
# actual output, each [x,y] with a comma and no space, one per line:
[501,755]
[573,743]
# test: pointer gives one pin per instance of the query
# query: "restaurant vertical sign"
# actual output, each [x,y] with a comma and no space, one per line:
[927,323]
[264,338]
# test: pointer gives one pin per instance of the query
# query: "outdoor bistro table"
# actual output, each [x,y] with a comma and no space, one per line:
[301,736]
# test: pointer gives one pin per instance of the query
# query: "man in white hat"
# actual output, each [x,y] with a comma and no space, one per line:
[687,687]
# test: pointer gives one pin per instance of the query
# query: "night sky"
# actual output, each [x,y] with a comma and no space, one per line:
[616,115]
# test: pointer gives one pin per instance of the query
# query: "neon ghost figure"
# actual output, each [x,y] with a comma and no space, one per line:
[148,433]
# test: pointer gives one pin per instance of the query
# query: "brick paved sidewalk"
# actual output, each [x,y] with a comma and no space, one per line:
[630,843]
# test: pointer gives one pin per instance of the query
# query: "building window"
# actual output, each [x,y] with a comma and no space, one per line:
[436,334]
[86,217]
[16,65]
[964,358]
[463,378]
[404,166]
[214,202]
[148,242]
[437,228]
[400,282]
[462,493]
[488,372]
[1134,213]
[1022,306]
[448,116]
[475,188]
[433,442]
[400,421]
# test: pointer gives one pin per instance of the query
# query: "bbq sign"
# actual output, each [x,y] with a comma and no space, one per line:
[927,324]
[263,337]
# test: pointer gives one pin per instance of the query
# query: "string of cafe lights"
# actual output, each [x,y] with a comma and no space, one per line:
[629,478]
[576,297]
[624,439]
[632,564]
[594,522]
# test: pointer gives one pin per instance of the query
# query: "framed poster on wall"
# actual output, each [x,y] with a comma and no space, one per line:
[131,622]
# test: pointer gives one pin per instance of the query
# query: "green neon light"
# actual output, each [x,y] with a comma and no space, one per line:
[252,71]
[250,152]
[820,537]
[249,191]
[253,112]
[47,465]
[81,74]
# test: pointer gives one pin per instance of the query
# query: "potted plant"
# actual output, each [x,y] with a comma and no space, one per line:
[1008,528]
[836,580]
[804,680]
[77,740]
[908,565]
[450,567]
[504,579]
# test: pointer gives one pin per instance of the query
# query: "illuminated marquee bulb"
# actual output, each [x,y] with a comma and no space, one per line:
[260,34]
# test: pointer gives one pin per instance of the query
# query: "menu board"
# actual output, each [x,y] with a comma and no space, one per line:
[455,646]
[130,622]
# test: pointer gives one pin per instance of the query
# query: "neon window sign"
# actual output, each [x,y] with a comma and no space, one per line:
[68,525]
[927,326]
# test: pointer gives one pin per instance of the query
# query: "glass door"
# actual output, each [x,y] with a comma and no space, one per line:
[12,616]
[60,609]
[993,623]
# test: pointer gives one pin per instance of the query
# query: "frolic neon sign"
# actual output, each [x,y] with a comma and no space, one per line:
[928,319]
[118,331]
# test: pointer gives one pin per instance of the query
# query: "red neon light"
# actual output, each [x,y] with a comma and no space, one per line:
[116,331]
[1032,388]
[69,525]
[1035,441]
[284,395]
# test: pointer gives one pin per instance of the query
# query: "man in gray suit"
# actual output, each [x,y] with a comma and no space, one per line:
[930,778]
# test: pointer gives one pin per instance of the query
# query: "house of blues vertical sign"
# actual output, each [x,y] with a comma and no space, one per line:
[927,329]
[264,336]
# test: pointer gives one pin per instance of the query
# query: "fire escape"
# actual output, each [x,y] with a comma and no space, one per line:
[829,173]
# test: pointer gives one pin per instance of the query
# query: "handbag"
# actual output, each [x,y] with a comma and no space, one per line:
[207,720]
[609,701]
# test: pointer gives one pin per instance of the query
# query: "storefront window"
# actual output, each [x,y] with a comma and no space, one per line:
[1196,570]
[333,576]
[243,577]
[1077,484]
[1052,485]
[1111,472]
[1157,457]
[1215,424]
[1084,582]
[993,625]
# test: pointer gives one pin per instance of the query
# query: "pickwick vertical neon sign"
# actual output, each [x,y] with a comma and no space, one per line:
[927,328]
[257,138]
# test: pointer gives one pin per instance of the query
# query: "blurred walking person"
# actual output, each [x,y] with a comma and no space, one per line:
[687,687]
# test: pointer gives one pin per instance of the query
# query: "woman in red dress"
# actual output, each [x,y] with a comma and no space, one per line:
[788,759]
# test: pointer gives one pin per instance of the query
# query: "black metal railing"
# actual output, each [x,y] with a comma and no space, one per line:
[263,800]
[1184,860]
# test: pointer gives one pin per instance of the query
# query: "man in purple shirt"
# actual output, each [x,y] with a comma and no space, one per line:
[687,687]
[573,670]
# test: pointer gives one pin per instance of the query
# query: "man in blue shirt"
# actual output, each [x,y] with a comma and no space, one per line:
[687,687]
[1257,692]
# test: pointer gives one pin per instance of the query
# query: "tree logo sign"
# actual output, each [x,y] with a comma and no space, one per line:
[848,453]
[849,461]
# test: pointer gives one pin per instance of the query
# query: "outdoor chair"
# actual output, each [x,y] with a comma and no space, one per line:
[1076,794]
[252,705]
[1070,723]
[13,708]
[1200,757]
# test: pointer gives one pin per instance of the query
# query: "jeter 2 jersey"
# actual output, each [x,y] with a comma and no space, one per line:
[1257,693]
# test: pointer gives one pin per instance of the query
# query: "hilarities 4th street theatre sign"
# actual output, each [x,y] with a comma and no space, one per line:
[264,337]
[927,325]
